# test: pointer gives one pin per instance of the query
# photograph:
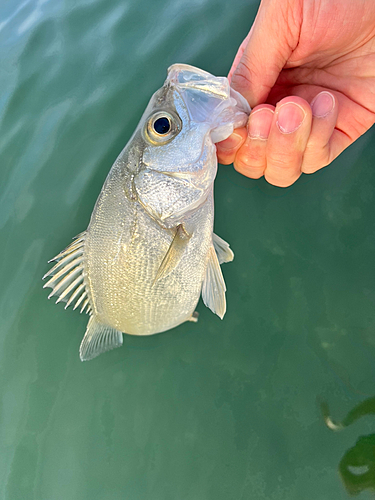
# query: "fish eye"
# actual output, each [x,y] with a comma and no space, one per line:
[162,127]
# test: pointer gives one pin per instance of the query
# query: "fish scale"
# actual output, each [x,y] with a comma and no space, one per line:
[133,274]
[149,251]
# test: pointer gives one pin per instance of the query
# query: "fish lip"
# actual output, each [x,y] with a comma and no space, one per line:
[217,86]
[193,69]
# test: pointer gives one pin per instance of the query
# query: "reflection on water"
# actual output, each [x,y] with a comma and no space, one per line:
[357,466]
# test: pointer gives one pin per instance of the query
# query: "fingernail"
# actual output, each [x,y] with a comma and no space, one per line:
[259,124]
[232,142]
[322,104]
[290,117]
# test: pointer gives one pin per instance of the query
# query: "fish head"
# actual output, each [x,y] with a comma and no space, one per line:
[184,119]
[209,100]
[192,105]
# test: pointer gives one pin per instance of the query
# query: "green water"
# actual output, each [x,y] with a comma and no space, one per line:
[218,410]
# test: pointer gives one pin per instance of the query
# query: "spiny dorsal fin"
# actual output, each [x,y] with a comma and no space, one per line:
[224,253]
[174,253]
[98,338]
[213,288]
[67,276]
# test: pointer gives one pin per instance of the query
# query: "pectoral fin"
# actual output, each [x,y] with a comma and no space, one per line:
[174,253]
[98,338]
[224,253]
[213,289]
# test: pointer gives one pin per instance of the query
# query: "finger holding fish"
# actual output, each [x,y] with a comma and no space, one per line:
[283,141]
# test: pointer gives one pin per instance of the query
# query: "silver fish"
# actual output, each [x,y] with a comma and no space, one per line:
[149,250]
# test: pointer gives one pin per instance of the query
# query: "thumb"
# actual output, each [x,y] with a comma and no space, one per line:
[266,49]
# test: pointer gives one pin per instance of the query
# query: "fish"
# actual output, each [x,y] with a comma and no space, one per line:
[149,251]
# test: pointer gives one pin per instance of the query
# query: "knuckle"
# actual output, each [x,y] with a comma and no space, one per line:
[254,172]
[284,159]
[315,158]
[252,156]
[310,169]
[314,163]
[244,74]
[283,167]
[240,80]
[280,180]
[225,158]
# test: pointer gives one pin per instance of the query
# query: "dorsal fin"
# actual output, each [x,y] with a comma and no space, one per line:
[67,276]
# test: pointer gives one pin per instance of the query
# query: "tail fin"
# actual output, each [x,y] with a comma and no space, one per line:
[98,338]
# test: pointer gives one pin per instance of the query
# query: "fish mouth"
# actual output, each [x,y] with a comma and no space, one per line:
[185,76]
[209,99]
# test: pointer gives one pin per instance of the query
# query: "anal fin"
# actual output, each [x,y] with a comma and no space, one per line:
[224,253]
[174,253]
[213,288]
[98,338]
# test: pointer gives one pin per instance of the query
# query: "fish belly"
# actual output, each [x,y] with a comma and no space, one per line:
[124,248]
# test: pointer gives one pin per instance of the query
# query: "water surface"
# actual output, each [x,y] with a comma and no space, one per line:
[217,410]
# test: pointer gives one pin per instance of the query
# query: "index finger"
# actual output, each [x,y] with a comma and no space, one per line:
[227,149]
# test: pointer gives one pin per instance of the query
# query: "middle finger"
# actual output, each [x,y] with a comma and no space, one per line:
[287,141]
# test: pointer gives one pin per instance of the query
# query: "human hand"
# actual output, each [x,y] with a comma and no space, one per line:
[307,68]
